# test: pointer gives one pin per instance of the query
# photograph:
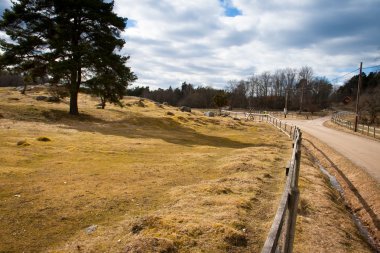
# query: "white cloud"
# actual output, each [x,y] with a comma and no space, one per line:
[194,41]
[175,41]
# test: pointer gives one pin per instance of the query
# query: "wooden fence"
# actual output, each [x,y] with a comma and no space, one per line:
[281,234]
[338,118]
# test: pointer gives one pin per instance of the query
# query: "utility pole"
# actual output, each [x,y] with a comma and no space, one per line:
[286,102]
[303,81]
[357,97]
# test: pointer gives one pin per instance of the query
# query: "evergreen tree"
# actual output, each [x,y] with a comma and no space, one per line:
[69,40]
[220,100]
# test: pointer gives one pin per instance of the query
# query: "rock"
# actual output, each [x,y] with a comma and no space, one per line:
[209,114]
[140,103]
[41,98]
[158,104]
[165,103]
[169,113]
[23,143]
[91,229]
[43,138]
[266,175]
[236,119]
[185,109]
[53,99]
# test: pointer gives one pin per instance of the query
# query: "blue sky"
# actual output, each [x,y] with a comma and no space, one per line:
[209,42]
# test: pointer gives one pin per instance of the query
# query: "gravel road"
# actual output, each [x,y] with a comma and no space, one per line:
[361,151]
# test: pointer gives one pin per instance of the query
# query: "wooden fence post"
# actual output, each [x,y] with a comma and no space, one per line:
[293,198]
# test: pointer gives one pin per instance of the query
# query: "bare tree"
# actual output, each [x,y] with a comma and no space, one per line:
[290,82]
[305,75]
[279,79]
[265,81]
[252,89]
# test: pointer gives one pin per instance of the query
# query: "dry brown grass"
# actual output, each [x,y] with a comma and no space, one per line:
[150,181]
[324,223]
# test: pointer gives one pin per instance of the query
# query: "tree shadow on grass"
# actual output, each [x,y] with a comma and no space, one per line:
[141,126]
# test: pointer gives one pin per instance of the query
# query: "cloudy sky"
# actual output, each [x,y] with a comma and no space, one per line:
[209,42]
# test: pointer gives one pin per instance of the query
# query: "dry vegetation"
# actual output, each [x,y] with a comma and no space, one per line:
[324,222]
[149,181]
[361,196]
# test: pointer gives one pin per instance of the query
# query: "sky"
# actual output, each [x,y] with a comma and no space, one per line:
[210,42]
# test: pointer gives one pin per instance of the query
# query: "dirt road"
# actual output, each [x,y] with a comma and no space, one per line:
[362,151]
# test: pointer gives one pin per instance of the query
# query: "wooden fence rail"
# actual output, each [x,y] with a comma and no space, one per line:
[281,234]
[338,119]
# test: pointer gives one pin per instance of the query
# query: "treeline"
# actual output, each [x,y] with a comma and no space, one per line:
[370,82]
[299,89]
[291,88]
[369,101]
[187,94]
[10,80]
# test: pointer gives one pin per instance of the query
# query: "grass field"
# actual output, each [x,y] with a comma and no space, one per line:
[149,181]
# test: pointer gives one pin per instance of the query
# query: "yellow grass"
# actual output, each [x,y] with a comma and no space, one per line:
[149,181]
[330,221]
[324,223]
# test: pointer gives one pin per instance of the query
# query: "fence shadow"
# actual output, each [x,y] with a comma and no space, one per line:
[353,189]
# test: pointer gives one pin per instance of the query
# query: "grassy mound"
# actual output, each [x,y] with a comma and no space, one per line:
[147,179]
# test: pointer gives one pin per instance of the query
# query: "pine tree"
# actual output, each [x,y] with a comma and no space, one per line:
[73,41]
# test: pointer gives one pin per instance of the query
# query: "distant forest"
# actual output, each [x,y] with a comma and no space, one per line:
[270,91]
[265,91]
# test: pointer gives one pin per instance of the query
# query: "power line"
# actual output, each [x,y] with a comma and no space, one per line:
[372,67]
[339,77]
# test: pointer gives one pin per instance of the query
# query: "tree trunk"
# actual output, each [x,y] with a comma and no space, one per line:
[24,89]
[74,102]
[74,89]
[103,102]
